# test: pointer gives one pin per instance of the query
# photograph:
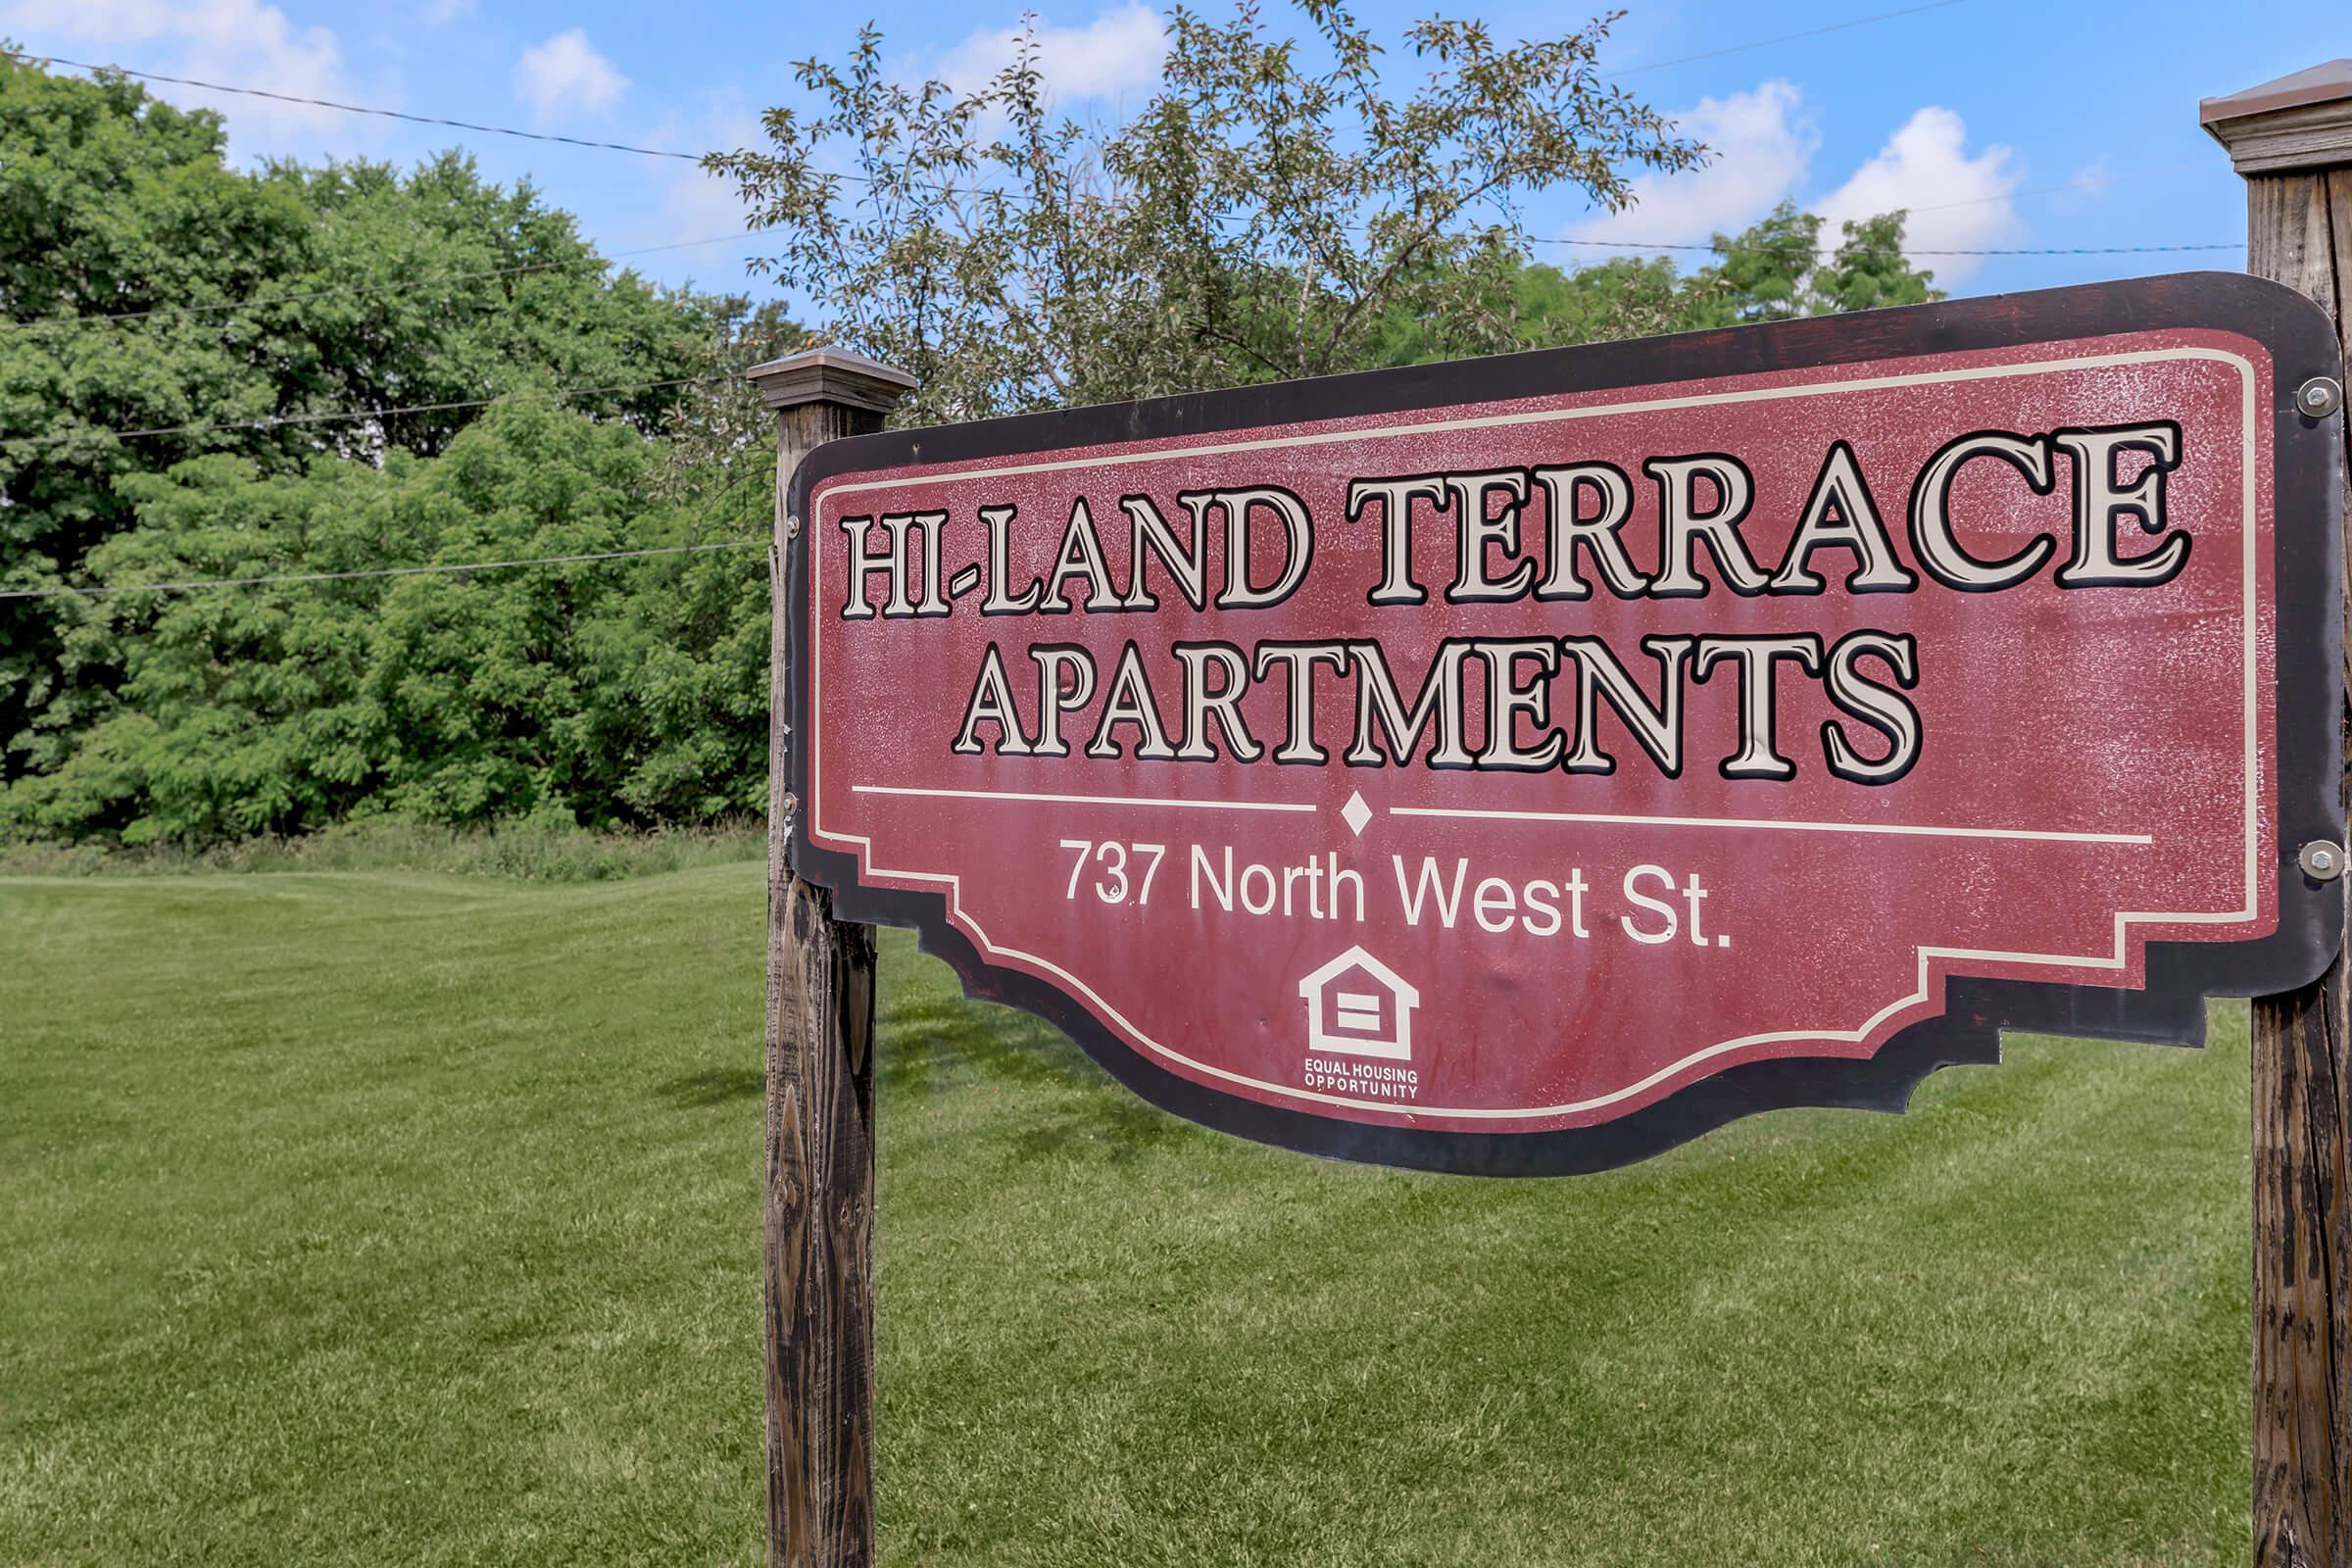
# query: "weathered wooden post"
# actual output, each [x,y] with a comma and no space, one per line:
[1005,764]
[2292,142]
[819,1328]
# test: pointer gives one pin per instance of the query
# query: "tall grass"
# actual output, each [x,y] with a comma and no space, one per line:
[526,850]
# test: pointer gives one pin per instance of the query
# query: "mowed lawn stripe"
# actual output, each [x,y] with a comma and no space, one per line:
[358,1217]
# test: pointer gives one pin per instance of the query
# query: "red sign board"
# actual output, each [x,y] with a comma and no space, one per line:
[1523,765]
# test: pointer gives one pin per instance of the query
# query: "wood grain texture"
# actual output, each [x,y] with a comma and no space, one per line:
[2290,141]
[820,1314]
[2300,233]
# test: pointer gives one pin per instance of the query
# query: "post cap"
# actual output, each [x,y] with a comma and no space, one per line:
[830,375]
[2298,121]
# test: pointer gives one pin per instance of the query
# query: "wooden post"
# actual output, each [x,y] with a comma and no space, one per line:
[819,1329]
[2292,142]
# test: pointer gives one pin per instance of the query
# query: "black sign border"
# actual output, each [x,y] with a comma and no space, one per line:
[2309,488]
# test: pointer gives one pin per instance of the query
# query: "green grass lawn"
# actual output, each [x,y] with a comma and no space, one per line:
[371,1218]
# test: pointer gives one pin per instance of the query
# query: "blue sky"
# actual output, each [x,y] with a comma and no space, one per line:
[2001,123]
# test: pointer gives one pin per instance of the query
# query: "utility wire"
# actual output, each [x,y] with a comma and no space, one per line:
[421,119]
[354,416]
[1785,37]
[1826,247]
[696,158]
[381,571]
[2083,185]
[52,323]
[351,108]
[653,152]
[363,416]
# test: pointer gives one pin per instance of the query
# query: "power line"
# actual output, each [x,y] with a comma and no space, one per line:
[2085,184]
[423,120]
[351,108]
[1825,248]
[354,416]
[1785,37]
[663,152]
[381,571]
[49,324]
[362,415]
[1018,196]
[2081,185]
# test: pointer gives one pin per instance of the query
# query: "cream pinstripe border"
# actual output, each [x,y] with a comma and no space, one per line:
[1929,956]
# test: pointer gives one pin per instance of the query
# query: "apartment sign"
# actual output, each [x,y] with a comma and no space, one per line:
[1522,765]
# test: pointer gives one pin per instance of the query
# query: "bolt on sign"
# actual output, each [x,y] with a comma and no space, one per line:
[1522,765]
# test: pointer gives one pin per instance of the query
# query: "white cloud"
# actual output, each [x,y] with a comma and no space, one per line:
[1759,144]
[564,74]
[437,11]
[1955,201]
[238,41]
[1118,53]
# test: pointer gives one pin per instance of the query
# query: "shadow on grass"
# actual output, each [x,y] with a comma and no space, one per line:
[926,1046]
[938,1045]
[714,1086]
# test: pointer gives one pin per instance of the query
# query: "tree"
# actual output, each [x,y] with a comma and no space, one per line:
[149,287]
[108,202]
[1776,271]
[609,693]
[1621,298]
[1868,270]
[1261,218]
[1761,274]
[1772,270]
[513,298]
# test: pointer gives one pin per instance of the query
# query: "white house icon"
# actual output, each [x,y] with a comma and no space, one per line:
[1357,1004]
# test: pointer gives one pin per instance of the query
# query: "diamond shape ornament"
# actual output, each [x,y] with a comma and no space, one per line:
[1355,813]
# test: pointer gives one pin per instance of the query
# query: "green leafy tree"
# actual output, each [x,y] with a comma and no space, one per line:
[512,297]
[605,693]
[1868,270]
[1547,306]
[1260,217]
[1772,271]
[1264,215]
[1763,271]
[1776,271]
[1621,298]
[108,202]
[123,234]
